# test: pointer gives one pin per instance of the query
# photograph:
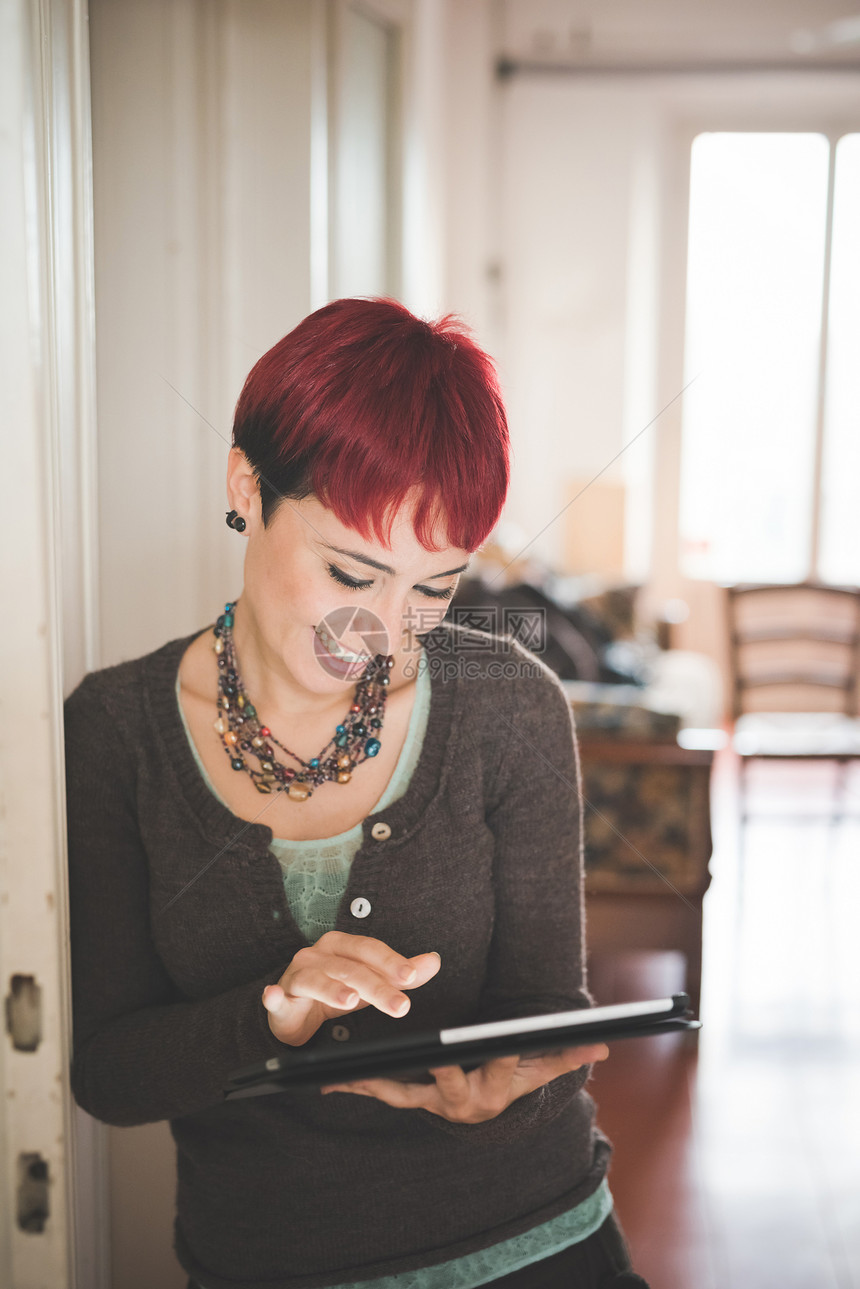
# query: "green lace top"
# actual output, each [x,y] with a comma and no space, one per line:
[315,878]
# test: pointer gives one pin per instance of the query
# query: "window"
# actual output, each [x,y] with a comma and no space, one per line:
[757,418]
[840,510]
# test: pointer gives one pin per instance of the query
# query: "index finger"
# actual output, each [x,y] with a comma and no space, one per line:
[373,953]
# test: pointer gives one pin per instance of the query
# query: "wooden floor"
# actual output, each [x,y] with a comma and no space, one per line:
[737,1157]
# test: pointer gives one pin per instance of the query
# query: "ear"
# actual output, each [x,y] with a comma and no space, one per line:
[243,493]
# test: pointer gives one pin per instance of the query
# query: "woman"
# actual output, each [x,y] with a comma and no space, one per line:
[331,816]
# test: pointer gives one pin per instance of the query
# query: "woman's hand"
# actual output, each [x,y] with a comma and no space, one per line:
[483,1093]
[342,973]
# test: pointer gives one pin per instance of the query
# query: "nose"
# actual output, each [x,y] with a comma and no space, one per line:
[403,618]
[420,618]
[392,610]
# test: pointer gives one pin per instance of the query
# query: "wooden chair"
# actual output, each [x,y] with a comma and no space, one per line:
[794,654]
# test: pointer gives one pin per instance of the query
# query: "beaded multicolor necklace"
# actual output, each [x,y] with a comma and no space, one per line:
[241,731]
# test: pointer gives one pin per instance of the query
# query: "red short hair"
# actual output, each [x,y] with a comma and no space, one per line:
[361,403]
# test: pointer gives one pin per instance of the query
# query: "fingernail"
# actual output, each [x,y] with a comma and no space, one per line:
[407,974]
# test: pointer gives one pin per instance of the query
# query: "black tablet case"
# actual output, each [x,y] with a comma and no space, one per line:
[414,1054]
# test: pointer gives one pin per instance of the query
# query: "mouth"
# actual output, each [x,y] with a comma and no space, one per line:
[336,650]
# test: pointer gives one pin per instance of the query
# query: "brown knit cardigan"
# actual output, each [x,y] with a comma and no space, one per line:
[179,919]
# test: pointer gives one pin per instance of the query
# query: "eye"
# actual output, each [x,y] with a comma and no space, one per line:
[343,579]
[352,584]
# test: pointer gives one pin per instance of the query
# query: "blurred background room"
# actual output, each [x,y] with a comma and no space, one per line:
[649,213]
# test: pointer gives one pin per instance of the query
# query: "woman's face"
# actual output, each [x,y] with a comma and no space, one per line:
[324,599]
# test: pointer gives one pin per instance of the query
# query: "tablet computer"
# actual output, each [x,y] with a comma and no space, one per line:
[412,1055]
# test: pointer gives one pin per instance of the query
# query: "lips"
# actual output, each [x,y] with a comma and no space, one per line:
[340,663]
[337,651]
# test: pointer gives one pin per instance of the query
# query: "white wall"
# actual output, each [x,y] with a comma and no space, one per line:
[201,127]
[467,103]
[566,197]
[209,126]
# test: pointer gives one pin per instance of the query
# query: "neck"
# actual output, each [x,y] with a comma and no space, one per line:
[270,684]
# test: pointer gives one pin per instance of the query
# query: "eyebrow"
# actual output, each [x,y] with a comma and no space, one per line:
[384,568]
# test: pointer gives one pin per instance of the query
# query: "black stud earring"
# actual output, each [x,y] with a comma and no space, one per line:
[235,520]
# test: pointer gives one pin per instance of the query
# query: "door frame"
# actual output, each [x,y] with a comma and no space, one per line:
[50,575]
